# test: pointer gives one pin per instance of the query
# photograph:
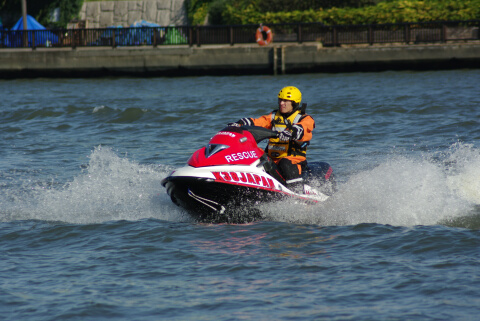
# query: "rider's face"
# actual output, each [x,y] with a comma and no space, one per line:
[285,106]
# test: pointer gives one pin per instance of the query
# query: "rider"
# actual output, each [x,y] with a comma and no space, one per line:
[295,128]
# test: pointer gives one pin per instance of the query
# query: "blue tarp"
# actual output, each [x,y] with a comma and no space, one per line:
[14,37]
[32,24]
[143,23]
[141,33]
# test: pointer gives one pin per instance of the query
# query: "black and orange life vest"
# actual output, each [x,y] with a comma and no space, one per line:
[279,149]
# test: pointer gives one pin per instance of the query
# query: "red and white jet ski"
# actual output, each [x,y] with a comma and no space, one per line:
[226,179]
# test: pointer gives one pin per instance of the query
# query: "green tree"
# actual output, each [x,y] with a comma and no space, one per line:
[41,10]
[68,10]
[393,11]
[197,11]
[301,5]
[233,11]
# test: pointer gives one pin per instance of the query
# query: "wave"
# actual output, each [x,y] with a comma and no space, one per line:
[401,191]
[109,188]
[100,114]
[35,112]
[438,188]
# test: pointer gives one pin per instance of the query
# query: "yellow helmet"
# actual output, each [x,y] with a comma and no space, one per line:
[290,93]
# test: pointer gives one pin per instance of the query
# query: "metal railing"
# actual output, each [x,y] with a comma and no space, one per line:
[408,33]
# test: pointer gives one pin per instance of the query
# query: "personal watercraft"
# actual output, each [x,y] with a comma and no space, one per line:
[225,180]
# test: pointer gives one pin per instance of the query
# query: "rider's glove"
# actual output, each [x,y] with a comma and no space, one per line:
[286,135]
[297,132]
[242,122]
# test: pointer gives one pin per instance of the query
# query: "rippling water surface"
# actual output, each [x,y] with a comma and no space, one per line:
[88,233]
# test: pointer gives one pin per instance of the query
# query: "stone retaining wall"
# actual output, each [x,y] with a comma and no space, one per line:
[230,60]
[102,14]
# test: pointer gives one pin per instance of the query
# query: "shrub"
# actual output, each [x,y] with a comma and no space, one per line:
[350,12]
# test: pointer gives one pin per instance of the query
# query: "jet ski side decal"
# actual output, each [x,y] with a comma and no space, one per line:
[245,178]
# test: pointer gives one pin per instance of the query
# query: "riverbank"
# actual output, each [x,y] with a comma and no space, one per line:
[232,60]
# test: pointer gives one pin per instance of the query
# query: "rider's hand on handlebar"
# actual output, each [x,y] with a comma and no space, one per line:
[241,122]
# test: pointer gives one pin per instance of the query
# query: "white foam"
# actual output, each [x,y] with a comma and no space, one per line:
[401,191]
[465,176]
[110,188]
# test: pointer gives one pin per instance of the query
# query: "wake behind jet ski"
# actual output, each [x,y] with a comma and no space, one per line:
[227,179]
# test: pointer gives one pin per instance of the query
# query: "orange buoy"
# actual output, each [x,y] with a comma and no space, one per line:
[259,35]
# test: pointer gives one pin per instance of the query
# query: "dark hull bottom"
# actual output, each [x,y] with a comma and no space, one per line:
[213,202]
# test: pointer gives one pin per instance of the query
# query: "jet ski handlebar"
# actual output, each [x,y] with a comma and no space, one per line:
[260,133]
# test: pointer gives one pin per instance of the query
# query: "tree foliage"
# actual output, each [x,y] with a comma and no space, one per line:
[69,10]
[42,10]
[302,5]
[197,11]
[219,11]
[333,12]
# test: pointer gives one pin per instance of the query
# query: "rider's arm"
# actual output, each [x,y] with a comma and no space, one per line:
[263,121]
[308,124]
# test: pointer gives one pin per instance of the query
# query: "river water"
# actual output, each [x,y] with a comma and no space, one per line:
[88,233]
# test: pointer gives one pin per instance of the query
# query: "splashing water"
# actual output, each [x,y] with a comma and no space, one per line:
[465,179]
[401,191]
[111,188]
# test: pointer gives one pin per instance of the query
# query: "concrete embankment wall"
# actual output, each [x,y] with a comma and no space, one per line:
[231,60]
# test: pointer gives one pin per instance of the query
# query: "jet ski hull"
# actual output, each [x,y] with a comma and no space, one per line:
[218,202]
[226,180]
